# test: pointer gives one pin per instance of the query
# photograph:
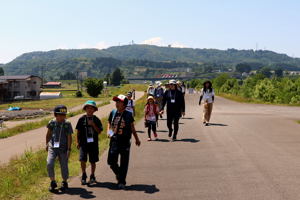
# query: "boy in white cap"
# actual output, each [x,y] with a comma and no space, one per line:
[120,129]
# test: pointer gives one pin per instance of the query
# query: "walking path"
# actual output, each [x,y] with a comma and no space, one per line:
[249,152]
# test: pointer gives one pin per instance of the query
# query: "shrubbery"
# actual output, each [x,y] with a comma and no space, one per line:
[257,87]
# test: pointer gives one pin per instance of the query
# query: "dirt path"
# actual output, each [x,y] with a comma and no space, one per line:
[34,139]
[250,152]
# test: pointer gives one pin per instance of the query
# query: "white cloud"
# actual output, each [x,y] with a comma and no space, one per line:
[153,41]
[99,45]
[178,45]
[158,41]
[102,45]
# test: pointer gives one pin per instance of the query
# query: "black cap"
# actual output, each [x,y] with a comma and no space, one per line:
[60,109]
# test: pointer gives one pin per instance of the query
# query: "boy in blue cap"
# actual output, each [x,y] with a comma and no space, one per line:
[58,144]
[88,128]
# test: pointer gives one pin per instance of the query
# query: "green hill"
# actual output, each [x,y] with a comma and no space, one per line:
[163,59]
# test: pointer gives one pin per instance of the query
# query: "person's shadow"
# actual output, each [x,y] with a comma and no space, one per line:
[149,189]
[191,140]
[81,192]
[216,124]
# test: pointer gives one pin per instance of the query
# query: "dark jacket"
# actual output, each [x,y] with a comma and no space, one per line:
[175,102]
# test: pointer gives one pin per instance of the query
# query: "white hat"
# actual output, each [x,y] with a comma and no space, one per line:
[172,82]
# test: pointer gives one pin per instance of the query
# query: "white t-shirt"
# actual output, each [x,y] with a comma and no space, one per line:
[207,96]
[130,105]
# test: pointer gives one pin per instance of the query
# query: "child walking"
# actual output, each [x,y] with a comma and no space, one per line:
[151,116]
[88,128]
[58,144]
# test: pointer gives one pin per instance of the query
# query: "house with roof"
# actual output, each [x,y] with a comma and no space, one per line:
[52,85]
[27,87]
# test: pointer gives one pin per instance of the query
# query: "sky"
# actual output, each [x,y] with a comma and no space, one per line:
[42,25]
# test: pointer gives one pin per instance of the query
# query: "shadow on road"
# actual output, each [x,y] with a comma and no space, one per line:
[214,124]
[162,131]
[140,131]
[188,118]
[149,189]
[191,140]
[81,192]
[161,140]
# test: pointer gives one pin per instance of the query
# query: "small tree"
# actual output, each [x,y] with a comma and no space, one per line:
[117,77]
[243,67]
[266,71]
[93,86]
[279,72]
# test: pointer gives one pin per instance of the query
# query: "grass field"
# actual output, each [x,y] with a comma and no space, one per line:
[26,177]
[69,98]
[76,101]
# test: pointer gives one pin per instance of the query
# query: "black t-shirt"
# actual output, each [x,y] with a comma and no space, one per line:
[124,132]
[175,102]
[86,131]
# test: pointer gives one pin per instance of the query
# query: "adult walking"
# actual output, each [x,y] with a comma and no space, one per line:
[207,94]
[150,90]
[175,108]
[158,95]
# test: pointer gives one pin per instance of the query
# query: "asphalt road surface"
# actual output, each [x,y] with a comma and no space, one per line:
[250,152]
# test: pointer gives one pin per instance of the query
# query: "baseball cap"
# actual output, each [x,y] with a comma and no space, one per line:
[60,109]
[121,98]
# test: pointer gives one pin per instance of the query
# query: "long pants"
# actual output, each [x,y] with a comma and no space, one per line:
[207,110]
[151,126]
[63,160]
[113,156]
[173,119]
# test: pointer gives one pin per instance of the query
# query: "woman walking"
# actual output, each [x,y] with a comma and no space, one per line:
[208,96]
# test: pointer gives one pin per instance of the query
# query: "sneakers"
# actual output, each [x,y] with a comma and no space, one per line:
[92,179]
[64,186]
[53,186]
[149,139]
[83,179]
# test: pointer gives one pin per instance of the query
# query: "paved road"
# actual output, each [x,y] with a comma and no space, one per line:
[251,152]
[35,139]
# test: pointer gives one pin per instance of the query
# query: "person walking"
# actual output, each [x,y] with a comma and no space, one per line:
[120,129]
[151,116]
[150,90]
[207,94]
[175,102]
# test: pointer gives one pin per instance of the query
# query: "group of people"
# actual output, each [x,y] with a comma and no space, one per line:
[120,130]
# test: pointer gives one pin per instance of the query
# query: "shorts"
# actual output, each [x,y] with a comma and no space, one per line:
[89,152]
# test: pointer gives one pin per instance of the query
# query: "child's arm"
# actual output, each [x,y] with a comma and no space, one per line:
[137,140]
[48,138]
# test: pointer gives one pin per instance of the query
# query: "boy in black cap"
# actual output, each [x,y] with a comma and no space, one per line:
[58,144]
[120,128]
[88,128]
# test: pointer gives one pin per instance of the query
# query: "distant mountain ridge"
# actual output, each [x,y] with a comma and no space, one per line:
[84,59]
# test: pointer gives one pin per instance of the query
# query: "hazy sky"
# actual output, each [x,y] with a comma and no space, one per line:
[33,25]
